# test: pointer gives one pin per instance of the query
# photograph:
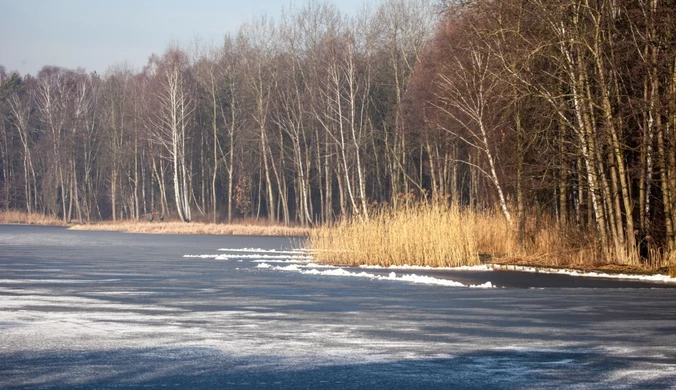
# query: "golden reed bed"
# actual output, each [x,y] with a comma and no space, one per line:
[21,217]
[195,228]
[450,236]
[241,228]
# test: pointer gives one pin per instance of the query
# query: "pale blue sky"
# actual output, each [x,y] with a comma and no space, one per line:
[94,34]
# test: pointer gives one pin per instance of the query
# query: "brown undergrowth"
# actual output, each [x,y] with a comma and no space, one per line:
[248,227]
[245,228]
[436,236]
[21,217]
[672,265]
[447,236]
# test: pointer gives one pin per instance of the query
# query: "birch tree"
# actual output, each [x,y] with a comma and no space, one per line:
[470,95]
[171,124]
[21,104]
[256,42]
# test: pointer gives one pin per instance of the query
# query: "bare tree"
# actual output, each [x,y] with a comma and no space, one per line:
[257,42]
[21,107]
[172,123]
[470,96]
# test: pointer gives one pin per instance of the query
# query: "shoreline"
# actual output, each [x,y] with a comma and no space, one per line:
[196,228]
[611,270]
[600,272]
[199,228]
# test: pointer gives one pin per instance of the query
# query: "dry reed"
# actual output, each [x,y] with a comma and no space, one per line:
[443,236]
[21,217]
[434,236]
[195,228]
[493,235]
[672,265]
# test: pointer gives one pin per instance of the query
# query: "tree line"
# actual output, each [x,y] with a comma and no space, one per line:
[565,106]
[564,109]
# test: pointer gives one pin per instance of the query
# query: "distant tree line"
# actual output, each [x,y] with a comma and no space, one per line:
[563,109]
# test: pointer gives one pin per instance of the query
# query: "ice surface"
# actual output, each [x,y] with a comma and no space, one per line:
[170,321]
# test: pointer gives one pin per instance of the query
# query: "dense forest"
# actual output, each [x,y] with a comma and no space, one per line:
[560,110]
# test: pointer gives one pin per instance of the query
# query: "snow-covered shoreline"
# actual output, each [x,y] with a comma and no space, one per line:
[300,260]
[310,269]
[655,278]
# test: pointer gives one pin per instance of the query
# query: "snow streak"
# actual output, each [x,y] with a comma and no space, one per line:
[300,260]
[413,278]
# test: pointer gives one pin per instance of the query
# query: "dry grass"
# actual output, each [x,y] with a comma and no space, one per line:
[434,236]
[243,227]
[440,236]
[492,234]
[672,265]
[21,217]
[546,243]
[240,229]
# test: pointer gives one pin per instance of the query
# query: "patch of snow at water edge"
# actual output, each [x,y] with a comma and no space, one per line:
[292,267]
[442,282]
[201,256]
[254,257]
[412,278]
[340,272]
[304,257]
[482,267]
[428,268]
[283,261]
[260,250]
[315,265]
[641,278]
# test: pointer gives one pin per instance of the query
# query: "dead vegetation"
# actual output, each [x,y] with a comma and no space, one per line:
[434,236]
[245,228]
[21,217]
[447,236]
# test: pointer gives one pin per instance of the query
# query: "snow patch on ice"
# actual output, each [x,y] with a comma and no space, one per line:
[283,261]
[483,267]
[442,282]
[412,278]
[642,278]
[254,257]
[315,265]
[260,250]
[303,257]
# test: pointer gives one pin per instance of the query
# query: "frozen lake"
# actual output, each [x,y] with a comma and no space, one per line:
[111,310]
